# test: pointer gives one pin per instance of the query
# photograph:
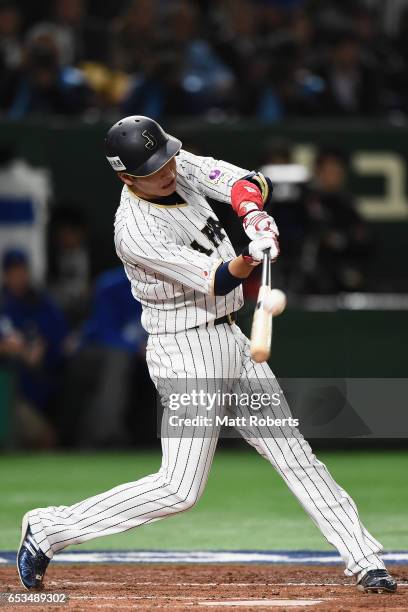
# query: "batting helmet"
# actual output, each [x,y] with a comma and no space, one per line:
[139,146]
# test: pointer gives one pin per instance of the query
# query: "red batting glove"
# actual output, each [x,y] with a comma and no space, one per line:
[246,197]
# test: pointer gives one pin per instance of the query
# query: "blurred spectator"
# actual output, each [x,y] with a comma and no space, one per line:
[134,33]
[155,68]
[333,17]
[389,13]
[236,39]
[273,13]
[290,183]
[379,50]
[292,90]
[24,196]
[350,83]
[111,356]
[236,26]
[78,36]
[276,151]
[69,263]
[270,64]
[205,79]
[302,31]
[115,318]
[10,39]
[43,85]
[269,59]
[182,74]
[157,91]
[397,68]
[338,243]
[32,331]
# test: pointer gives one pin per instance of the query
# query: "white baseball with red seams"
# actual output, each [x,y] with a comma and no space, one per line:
[275,301]
[170,254]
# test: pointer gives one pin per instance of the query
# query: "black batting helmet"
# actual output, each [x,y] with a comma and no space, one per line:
[139,146]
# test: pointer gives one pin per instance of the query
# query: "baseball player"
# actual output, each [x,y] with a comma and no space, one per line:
[184,271]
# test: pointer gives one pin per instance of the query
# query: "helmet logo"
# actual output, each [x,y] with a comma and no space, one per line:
[116,163]
[150,140]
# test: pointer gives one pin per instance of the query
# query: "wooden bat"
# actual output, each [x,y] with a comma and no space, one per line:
[261,334]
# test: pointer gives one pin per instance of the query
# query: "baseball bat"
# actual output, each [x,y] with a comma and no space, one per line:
[261,333]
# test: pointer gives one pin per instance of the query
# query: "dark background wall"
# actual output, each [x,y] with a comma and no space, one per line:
[74,154]
[333,344]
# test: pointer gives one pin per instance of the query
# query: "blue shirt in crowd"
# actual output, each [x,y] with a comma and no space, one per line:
[115,318]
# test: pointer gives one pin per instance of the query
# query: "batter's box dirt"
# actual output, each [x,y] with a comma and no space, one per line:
[209,587]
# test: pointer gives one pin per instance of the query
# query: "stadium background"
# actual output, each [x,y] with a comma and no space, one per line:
[320,336]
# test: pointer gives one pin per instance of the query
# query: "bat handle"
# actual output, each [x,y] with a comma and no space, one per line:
[266,268]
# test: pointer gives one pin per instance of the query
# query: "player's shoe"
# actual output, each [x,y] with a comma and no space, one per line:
[31,561]
[377,581]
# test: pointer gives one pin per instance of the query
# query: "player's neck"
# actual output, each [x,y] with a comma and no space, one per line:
[140,194]
[171,199]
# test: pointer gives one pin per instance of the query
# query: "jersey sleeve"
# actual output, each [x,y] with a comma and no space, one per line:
[156,252]
[210,177]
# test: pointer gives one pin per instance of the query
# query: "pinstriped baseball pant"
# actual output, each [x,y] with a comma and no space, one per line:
[220,351]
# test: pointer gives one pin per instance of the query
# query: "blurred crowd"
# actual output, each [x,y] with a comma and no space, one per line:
[266,59]
[70,333]
[71,336]
[71,339]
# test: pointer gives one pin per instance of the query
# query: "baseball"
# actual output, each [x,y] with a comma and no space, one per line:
[275,302]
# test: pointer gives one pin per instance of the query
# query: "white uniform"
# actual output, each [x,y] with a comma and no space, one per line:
[174,282]
[158,246]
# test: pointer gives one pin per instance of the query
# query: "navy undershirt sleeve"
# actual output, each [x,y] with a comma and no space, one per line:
[224,281]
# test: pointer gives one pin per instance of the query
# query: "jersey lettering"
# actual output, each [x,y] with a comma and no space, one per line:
[198,247]
[213,231]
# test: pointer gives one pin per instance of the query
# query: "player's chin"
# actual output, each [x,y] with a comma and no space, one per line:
[169,187]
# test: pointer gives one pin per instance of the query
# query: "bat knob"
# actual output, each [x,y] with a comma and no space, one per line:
[259,355]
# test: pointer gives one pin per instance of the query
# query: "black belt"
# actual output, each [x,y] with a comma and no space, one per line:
[229,318]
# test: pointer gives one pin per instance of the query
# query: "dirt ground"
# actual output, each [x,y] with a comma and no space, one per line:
[208,587]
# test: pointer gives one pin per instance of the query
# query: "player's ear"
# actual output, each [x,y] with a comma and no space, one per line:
[126,178]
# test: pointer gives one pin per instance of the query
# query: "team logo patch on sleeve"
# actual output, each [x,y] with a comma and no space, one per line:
[214,174]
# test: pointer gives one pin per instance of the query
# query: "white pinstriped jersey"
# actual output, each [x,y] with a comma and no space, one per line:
[171,252]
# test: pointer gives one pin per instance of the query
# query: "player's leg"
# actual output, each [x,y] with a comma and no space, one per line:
[328,505]
[174,488]
[185,466]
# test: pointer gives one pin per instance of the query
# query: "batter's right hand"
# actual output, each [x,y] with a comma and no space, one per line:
[256,248]
[258,224]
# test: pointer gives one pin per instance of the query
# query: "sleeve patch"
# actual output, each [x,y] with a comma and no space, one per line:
[214,174]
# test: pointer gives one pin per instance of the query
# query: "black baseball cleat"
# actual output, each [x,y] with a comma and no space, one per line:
[377,581]
[31,561]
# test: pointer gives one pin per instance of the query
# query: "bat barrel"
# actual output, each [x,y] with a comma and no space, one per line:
[261,334]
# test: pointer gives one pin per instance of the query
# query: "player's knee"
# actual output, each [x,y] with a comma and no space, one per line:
[189,500]
[186,504]
[298,457]
[183,499]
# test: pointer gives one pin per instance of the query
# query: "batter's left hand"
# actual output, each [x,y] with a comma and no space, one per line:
[253,253]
